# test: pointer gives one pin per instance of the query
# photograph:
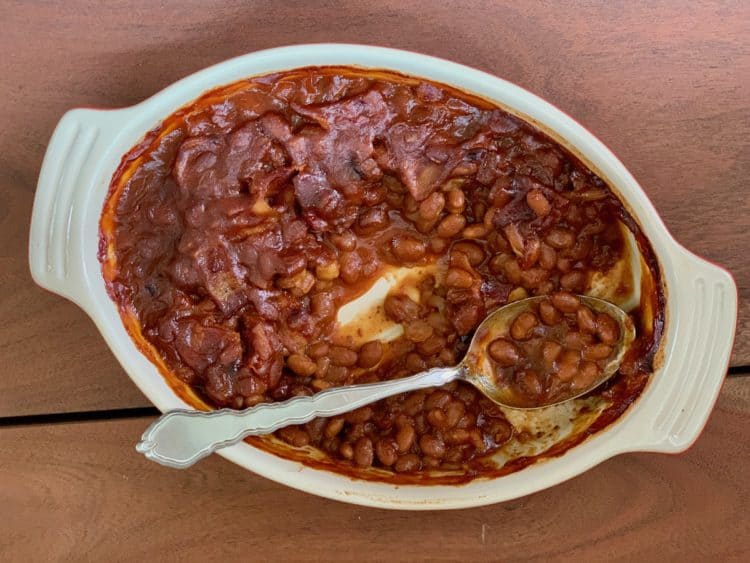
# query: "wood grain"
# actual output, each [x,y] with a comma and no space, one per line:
[664,86]
[80,492]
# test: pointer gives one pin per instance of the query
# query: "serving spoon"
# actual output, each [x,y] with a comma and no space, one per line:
[180,438]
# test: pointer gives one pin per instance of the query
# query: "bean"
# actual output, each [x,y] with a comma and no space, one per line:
[564,265]
[370,354]
[489,218]
[575,280]
[456,436]
[320,384]
[400,308]
[338,374]
[429,462]
[477,230]
[578,340]
[595,352]
[385,449]
[317,350]
[478,209]
[497,263]
[550,352]
[415,363]
[425,226]
[538,203]
[476,438]
[512,271]
[547,257]
[322,304]
[581,249]
[567,365]
[354,433]
[459,278]
[414,403]
[438,245]
[565,302]
[405,437]
[504,353]
[375,195]
[607,329]
[334,427]
[408,249]
[342,356]
[545,288]
[560,238]
[296,436]
[360,415]
[322,365]
[454,412]
[455,201]
[586,320]
[437,399]
[501,431]
[517,293]
[372,221]
[301,365]
[363,452]
[522,326]
[588,372]
[447,357]
[431,346]
[468,420]
[345,241]
[328,271]
[346,451]
[570,357]
[437,418]
[451,226]
[252,400]
[432,446]
[418,331]
[533,277]
[410,204]
[431,207]
[473,251]
[549,314]
[299,284]
[530,382]
[407,462]
[350,265]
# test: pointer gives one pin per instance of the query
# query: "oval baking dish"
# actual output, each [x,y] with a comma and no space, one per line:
[700,308]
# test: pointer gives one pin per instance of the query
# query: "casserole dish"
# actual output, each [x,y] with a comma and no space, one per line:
[86,149]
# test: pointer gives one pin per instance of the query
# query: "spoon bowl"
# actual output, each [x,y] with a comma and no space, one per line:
[182,437]
[478,369]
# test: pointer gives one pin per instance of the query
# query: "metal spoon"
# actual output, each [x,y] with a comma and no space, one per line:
[182,437]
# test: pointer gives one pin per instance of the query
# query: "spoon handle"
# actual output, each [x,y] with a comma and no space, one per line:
[181,437]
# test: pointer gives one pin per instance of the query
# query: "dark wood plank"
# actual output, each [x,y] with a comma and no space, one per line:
[80,492]
[664,86]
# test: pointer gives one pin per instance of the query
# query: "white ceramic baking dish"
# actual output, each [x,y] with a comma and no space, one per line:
[701,298]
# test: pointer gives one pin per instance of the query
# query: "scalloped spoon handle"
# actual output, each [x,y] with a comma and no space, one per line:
[182,437]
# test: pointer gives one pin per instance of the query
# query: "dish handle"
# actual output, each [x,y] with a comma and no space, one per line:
[66,183]
[702,308]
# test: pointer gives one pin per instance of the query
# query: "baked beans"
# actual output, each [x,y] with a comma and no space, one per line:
[237,229]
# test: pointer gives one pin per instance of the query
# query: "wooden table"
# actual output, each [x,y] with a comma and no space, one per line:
[667,88]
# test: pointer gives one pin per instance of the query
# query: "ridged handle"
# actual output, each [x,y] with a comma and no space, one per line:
[180,438]
[705,317]
[65,183]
